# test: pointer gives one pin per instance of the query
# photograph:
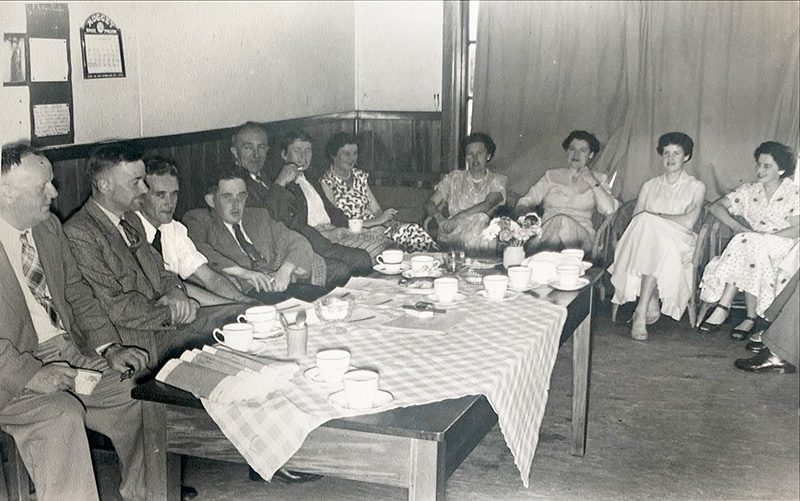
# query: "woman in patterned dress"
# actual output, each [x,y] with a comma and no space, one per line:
[346,187]
[653,259]
[753,261]
[570,197]
[470,196]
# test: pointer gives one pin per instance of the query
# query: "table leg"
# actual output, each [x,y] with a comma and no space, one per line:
[426,470]
[162,470]
[581,356]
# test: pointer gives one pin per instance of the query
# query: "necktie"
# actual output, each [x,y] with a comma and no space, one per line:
[157,242]
[131,234]
[34,275]
[256,259]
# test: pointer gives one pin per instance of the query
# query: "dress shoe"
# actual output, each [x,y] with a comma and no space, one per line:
[286,476]
[755,346]
[765,362]
[188,492]
[707,327]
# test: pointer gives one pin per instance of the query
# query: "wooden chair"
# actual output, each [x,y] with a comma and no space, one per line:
[605,243]
[17,487]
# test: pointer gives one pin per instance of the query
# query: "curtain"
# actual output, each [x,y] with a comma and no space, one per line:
[726,73]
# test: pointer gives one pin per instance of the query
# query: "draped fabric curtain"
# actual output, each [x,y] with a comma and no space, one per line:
[726,73]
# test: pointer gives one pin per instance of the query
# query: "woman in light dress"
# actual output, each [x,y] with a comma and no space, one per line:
[753,261]
[570,197]
[346,187]
[470,197]
[653,259]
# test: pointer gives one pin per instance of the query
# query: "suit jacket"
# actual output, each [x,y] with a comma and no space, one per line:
[127,284]
[273,239]
[334,213]
[281,204]
[84,320]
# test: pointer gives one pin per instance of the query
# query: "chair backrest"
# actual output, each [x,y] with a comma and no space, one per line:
[609,231]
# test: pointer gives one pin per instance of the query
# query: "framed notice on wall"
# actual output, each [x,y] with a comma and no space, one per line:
[101,47]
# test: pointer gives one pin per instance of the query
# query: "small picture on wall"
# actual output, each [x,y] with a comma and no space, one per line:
[13,59]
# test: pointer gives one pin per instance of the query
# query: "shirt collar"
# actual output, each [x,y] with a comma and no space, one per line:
[113,217]
[149,229]
[9,234]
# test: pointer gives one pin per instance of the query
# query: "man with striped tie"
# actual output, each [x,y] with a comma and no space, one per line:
[53,326]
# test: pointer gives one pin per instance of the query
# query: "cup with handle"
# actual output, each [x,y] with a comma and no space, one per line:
[237,336]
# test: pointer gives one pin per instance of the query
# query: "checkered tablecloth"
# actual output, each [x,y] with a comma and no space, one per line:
[504,350]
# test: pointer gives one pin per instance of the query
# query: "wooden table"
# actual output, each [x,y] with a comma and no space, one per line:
[414,447]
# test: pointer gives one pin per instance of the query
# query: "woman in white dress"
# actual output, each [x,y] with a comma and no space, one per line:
[471,196]
[653,259]
[753,260]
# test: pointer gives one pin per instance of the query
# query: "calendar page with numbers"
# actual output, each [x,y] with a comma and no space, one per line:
[101,44]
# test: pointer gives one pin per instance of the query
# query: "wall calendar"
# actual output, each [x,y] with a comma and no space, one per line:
[101,46]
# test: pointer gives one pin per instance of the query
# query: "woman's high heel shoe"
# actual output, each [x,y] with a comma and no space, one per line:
[741,334]
[708,327]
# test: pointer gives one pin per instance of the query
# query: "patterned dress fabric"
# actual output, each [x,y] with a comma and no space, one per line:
[462,192]
[354,203]
[656,246]
[752,260]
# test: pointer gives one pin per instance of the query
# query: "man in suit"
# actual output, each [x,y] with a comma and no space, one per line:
[52,326]
[169,237]
[267,259]
[147,304]
[249,148]
[312,207]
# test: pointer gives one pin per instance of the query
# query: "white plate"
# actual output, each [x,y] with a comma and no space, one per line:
[382,269]
[428,274]
[508,295]
[382,399]
[312,375]
[582,282]
[433,299]
[276,332]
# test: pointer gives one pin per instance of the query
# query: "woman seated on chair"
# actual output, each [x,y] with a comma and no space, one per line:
[470,196]
[570,197]
[653,259]
[346,187]
[752,260]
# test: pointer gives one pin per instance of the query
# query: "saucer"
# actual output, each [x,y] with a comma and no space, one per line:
[276,332]
[256,347]
[585,265]
[427,274]
[382,269]
[433,299]
[312,375]
[529,287]
[382,399]
[582,282]
[508,295]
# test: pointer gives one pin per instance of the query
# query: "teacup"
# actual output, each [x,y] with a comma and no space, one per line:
[237,336]
[495,286]
[86,380]
[421,265]
[262,318]
[568,274]
[575,256]
[332,364]
[360,388]
[446,289]
[391,259]
[519,277]
[355,225]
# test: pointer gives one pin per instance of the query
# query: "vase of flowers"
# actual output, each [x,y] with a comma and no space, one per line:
[511,235]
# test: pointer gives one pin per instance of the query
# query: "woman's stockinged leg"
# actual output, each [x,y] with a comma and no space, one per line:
[720,314]
[639,328]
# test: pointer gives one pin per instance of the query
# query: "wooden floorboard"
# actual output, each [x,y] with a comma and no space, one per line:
[669,418]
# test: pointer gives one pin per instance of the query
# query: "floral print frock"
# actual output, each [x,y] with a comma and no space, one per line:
[752,260]
[354,203]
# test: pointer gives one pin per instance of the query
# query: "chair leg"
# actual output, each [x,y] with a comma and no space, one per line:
[701,315]
[19,483]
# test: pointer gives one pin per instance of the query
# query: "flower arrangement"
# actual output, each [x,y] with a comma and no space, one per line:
[513,233]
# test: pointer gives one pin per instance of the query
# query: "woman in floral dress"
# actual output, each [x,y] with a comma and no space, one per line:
[470,196]
[755,260]
[346,187]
